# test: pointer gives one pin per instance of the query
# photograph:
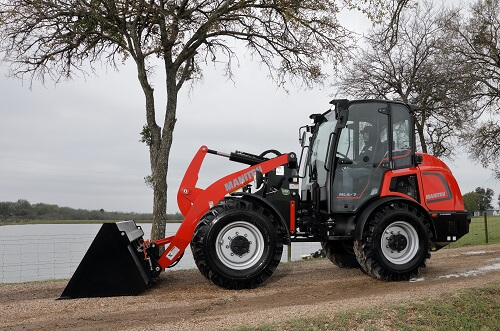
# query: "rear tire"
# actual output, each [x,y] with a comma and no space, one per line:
[341,253]
[396,243]
[237,244]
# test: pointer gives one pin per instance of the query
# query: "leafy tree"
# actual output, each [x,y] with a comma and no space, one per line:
[471,200]
[294,39]
[5,209]
[22,208]
[418,70]
[476,41]
[43,209]
[498,200]
[485,198]
[485,145]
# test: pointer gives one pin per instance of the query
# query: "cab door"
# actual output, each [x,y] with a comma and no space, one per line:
[361,155]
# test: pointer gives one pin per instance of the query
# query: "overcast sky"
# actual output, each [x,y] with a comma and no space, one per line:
[77,144]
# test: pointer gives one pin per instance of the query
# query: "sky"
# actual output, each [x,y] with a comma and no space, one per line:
[76,143]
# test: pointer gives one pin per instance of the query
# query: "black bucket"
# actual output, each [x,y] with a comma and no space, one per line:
[112,266]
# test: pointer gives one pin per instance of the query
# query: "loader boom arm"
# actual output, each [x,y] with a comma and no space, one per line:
[193,202]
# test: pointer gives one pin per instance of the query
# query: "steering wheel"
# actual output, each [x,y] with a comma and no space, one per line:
[343,155]
[275,152]
[344,159]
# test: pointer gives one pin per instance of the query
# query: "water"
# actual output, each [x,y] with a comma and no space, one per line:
[37,252]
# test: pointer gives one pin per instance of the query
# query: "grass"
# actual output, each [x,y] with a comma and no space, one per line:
[476,235]
[472,309]
[21,222]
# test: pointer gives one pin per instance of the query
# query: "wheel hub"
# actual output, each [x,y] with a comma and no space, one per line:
[239,245]
[397,242]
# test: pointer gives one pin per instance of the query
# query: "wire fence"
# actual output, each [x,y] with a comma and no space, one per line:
[27,257]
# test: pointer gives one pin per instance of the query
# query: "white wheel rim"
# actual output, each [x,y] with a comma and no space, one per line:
[406,254]
[255,245]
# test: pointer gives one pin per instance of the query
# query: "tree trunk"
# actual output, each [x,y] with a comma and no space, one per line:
[420,133]
[158,226]
[159,148]
[160,165]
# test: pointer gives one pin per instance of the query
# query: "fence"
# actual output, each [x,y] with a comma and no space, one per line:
[26,258]
[43,252]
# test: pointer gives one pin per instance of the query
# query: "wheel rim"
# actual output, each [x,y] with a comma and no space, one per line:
[239,245]
[399,242]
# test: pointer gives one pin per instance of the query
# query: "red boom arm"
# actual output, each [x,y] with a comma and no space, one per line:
[194,202]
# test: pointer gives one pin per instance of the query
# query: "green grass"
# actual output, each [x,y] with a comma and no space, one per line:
[476,234]
[21,222]
[473,309]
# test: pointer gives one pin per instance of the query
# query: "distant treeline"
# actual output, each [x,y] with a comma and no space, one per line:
[24,210]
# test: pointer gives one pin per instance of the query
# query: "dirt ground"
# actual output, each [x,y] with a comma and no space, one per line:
[185,300]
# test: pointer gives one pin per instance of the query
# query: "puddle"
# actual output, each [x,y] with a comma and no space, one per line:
[475,272]
[469,273]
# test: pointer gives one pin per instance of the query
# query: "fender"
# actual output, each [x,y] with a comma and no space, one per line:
[374,204]
[272,209]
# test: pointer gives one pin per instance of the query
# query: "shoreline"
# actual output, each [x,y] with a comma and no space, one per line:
[31,222]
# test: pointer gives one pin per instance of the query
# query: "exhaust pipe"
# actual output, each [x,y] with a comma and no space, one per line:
[115,264]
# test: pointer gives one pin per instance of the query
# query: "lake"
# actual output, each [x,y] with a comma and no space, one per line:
[35,252]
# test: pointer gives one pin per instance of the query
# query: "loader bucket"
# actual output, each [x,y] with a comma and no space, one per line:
[112,265]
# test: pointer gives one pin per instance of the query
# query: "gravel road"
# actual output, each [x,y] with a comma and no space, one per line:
[185,300]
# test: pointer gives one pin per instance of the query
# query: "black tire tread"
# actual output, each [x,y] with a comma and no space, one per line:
[364,249]
[339,256]
[200,256]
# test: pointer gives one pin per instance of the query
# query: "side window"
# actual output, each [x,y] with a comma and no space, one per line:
[401,136]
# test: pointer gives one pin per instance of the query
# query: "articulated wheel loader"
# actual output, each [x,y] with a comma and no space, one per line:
[360,189]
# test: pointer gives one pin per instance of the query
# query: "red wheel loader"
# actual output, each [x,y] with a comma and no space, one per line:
[359,189]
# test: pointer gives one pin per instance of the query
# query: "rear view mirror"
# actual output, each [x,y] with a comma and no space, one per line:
[303,130]
[328,151]
[302,139]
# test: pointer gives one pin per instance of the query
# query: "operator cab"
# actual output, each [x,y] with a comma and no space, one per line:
[351,147]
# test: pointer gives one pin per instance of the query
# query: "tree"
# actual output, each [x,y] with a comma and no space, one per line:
[418,70]
[45,210]
[471,201]
[485,198]
[22,208]
[476,41]
[498,200]
[485,145]
[294,39]
[478,200]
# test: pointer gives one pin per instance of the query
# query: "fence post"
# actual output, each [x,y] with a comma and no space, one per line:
[486,225]
[289,251]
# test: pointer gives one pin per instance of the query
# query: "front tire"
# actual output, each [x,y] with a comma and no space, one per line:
[237,244]
[396,243]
